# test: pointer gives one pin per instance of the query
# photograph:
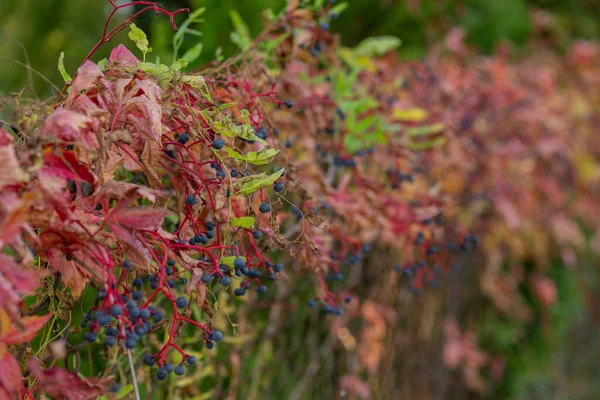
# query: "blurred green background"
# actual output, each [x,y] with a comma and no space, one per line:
[281,354]
[35,32]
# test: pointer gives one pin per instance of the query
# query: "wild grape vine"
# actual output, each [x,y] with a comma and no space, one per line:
[158,187]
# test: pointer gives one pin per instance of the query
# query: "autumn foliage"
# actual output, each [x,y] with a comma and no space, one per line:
[154,188]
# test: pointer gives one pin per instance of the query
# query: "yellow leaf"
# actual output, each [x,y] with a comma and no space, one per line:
[410,114]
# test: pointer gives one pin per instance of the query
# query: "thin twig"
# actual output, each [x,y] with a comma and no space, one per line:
[132,368]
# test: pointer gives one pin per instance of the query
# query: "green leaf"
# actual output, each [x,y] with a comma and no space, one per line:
[184,29]
[140,39]
[253,157]
[271,44]
[377,46]
[427,144]
[124,391]
[178,65]
[258,181]
[356,107]
[243,222]
[102,64]
[426,129]
[352,144]
[159,70]
[241,36]
[192,54]
[363,125]
[230,260]
[338,8]
[61,68]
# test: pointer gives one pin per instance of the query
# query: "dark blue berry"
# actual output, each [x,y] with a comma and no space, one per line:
[115,387]
[278,187]
[183,138]
[192,360]
[239,263]
[170,262]
[210,345]
[206,278]
[127,264]
[134,313]
[311,303]
[110,341]
[221,174]
[130,343]
[161,374]
[257,234]
[145,313]
[289,103]
[264,207]
[239,291]
[169,368]
[140,330]
[116,310]
[148,360]
[179,370]
[158,316]
[137,282]
[278,267]
[191,199]
[210,234]
[169,271]
[90,337]
[181,302]
[218,143]
[261,289]
[225,281]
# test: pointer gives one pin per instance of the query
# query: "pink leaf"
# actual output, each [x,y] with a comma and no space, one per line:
[123,57]
[11,382]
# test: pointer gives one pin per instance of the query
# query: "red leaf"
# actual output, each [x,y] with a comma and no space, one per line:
[61,384]
[67,166]
[136,217]
[11,382]
[16,281]
[31,326]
